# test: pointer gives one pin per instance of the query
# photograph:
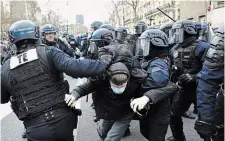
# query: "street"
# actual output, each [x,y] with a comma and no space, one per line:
[12,128]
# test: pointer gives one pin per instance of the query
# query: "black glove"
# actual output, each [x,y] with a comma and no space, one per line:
[204,129]
[185,78]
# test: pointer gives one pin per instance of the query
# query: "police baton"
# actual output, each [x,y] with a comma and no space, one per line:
[165,14]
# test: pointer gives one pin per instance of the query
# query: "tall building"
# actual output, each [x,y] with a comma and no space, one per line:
[79,19]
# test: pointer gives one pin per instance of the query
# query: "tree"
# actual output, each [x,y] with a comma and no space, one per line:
[33,8]
[134,5]
[116,5]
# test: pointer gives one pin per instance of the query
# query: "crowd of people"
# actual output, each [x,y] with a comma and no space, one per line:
[152,76]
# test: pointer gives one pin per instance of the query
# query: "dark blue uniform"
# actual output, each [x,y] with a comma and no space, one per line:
[33,83]
[210,91]
[154,126]
[186,60]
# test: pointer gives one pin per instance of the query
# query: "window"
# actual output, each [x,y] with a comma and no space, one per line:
[220,4]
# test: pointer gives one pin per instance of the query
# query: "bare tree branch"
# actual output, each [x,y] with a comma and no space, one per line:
[116,10]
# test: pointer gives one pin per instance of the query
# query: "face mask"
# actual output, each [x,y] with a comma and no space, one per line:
[118,90]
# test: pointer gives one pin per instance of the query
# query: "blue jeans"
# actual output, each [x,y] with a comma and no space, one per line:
[113,130]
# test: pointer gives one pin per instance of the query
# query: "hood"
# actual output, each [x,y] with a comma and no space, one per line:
[118,68]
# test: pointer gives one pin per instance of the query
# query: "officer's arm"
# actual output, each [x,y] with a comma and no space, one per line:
[74,67]
[5,95]
[159,94]
[66,47]
[83,89]
[158,76]
[208,87]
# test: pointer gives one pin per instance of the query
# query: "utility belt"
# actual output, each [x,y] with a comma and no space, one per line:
[47,116]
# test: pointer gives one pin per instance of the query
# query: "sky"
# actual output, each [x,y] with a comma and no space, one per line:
[91,9]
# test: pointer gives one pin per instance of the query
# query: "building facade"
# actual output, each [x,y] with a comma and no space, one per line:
[215,14]
[147,11]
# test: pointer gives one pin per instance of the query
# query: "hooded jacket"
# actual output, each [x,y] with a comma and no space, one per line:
[111,106]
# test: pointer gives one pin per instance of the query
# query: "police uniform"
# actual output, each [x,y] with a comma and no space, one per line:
[32,81]
[187,58]
[210,94]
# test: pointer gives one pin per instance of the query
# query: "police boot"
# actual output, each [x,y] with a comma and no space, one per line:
[176,126]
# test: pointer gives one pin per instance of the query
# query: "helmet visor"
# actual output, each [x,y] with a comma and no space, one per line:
[176,35]
[143,46]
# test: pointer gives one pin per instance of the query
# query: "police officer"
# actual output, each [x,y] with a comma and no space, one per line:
[210,95]
[48,32]
[187,61]
[100,38]
[154,44]
[32,81]
[94,26]
[84,44]
[72,41]
[140,27]
[166,28]
[109,27]
[65,35]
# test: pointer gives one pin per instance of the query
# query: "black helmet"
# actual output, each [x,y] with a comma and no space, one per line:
[96,25]
[166,27]
[181,29]
[48,28]
[23,30]
[152,38]
[120,33]
[65,34]
[102,37]
[107,26]
[140,27]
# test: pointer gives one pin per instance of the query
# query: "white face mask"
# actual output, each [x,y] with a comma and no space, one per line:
[118,90]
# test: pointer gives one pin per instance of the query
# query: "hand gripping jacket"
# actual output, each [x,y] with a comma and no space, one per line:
[34,89]
[215,54]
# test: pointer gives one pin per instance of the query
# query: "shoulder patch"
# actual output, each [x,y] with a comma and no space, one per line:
[23,58]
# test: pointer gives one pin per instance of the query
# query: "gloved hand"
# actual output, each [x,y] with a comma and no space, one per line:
[70,100]
[204,129]
[139,103]
[185,78]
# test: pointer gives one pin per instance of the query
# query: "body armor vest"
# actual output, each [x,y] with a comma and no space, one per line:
[184,59]
[33,87]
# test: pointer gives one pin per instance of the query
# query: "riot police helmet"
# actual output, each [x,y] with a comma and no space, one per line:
[47,29]
[101,37]
[120,33]
[107,26]
[166,27]
[95,25]
[152,38]
[183,29]
[140,27]
[23,30]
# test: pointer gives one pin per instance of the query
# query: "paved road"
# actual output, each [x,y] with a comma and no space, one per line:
[12,128]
